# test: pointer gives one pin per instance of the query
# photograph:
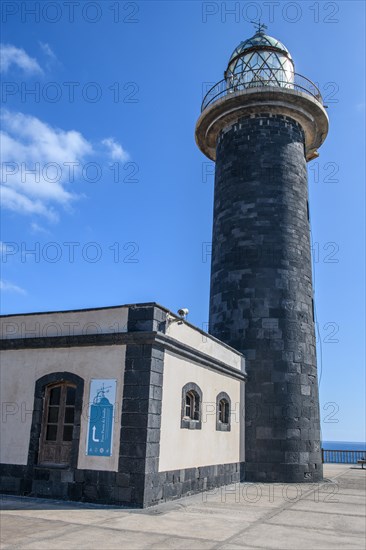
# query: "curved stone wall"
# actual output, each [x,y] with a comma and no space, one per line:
[261,292]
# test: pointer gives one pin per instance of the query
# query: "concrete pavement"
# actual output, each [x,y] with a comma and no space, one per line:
[329,515]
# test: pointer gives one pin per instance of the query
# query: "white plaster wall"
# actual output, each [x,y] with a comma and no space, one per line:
[204,343]
[183,448]
[19,371]
[65,323]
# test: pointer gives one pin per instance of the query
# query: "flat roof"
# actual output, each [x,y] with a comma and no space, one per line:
[142,304]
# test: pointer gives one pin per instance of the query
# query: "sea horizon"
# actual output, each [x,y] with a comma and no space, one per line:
[344,445]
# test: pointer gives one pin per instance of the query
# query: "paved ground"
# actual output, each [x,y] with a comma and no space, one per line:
[330,516]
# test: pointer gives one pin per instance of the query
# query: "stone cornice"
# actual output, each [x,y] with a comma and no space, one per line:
[125,338]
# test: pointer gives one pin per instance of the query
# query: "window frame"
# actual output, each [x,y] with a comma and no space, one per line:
[223,426]
[187,422]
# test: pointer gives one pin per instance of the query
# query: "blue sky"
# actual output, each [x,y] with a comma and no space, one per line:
[120,207]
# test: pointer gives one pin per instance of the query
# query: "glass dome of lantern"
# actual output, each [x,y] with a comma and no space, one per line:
[260,61]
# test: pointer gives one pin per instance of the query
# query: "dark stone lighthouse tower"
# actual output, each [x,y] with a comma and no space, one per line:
[261,124]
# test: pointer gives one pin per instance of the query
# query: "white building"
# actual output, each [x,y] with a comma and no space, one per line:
[128,405]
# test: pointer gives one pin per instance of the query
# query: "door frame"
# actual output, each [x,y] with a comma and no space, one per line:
[37,417]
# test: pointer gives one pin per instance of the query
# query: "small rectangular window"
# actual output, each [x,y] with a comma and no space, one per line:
[53,415]
[67,435]
[70,398]
[55,396]
[51,434]
[188,407]
[196,415]
[69,415]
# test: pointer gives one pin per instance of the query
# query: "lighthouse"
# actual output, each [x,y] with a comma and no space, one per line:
[261,125]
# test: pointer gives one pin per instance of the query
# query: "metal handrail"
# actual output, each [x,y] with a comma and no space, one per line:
[225,88]
[339,456]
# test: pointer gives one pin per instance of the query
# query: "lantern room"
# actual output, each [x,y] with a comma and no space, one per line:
[258,61]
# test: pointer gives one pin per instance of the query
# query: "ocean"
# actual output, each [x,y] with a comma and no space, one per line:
[344,445]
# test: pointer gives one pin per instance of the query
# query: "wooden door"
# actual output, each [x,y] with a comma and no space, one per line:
[57,424]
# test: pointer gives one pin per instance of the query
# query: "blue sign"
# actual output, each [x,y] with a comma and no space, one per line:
[101,417]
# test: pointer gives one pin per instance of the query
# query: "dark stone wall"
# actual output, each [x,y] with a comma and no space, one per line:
[116,488]
[141,409]
[175,484]
[261,292]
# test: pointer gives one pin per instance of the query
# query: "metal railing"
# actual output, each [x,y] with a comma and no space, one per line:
[342,457]
[249,80]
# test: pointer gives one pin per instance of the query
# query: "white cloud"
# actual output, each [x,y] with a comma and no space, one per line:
[46,48]
[18,202]
[36,228]
[7,286]
[116,151]
[28,144]
[11,55]
[50,58]
[41,162]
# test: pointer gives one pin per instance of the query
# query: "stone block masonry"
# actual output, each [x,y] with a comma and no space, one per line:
[261,299]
